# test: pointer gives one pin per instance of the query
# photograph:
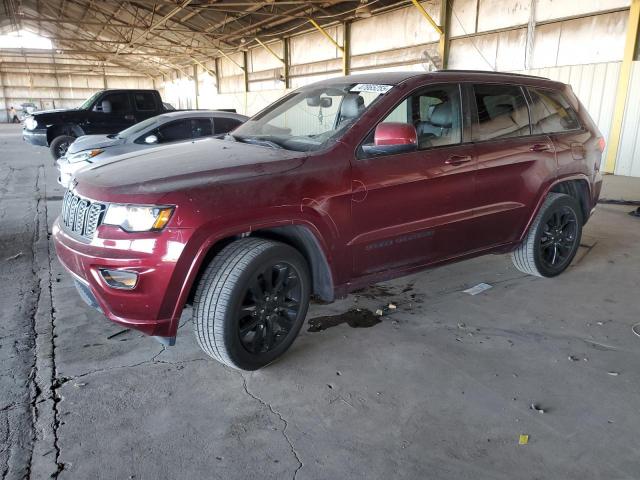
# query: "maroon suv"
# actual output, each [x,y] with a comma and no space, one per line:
[337,185]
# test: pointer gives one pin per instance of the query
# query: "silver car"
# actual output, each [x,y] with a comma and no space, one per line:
[178,126]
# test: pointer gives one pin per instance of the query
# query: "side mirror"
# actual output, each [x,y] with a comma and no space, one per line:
[151,139]
[106,106]
[391,138]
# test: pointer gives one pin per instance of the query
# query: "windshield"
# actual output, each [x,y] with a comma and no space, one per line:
[89,101]
[310,118]
[138,127]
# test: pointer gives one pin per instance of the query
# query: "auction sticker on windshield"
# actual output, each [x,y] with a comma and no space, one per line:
[371,87]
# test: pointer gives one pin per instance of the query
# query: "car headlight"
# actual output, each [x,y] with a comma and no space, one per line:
[83,156]
[138,218]
[30,123]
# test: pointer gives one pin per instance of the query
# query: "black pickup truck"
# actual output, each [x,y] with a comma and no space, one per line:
[107,111]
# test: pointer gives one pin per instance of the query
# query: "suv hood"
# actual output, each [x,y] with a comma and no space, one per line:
[88,142]
[44,116]
[183,166]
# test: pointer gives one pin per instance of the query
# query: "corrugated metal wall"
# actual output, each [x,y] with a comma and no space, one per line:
[486,34]
[595,85]
[628,161]
[580,43]
[50,90]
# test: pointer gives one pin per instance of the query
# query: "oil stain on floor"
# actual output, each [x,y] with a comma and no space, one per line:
[355,318]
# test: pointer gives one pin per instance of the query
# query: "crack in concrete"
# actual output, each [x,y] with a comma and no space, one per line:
[55,382]
[34,388]
[153,360]
[43,378]
[5,443]
[282,419]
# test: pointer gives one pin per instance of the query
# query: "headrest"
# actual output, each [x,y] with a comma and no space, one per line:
[441,115]
[501,109]
[352,106]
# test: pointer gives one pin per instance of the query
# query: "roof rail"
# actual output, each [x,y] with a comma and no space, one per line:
[491,73]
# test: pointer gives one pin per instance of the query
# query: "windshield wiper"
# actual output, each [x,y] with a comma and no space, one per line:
[257,141]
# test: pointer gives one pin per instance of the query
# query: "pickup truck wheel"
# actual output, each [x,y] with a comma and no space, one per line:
[251,302]
[553,238]
[59,145]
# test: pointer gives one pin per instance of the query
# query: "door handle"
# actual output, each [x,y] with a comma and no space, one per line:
[128,117]
[458,159]
[540,147]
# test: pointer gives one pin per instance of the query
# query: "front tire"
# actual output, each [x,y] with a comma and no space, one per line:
[60,145]
[553,238]
[251,302]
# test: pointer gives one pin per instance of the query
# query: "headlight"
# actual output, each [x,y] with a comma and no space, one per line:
[84,155]
[138,218]
[31,123]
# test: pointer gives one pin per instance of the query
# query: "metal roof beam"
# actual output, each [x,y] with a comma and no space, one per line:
[326,34]
[268,49]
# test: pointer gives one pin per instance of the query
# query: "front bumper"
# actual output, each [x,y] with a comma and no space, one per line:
[151,306]
[35,137]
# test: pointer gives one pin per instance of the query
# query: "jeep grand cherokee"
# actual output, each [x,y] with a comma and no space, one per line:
[337,185]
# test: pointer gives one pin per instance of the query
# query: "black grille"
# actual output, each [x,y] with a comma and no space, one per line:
[81,216]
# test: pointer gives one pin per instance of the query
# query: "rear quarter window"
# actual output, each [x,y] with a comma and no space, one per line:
[551,112]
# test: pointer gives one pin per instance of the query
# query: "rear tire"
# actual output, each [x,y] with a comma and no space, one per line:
[553,238]
[59,145]
[251,302]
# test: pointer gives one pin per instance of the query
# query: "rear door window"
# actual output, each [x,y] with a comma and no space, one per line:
[551,112]
[502,112]
[144,101]
[174,131]
[119,103]
[201,127]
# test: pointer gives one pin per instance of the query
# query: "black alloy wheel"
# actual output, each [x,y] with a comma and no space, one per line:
[553,238]
[270,307]
[251,302]
[558,238]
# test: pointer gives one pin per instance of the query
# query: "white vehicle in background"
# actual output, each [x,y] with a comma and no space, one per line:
[177,126]
[26,109]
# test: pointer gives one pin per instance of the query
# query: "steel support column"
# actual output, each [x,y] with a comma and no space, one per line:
[285,54]
[623,87]
[443,44]
[245,58]
[217,65]
[196,85]
[4,95]
[346,48]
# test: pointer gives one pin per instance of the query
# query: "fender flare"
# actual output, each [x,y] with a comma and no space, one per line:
[546,191]
[64,129]
[303,235]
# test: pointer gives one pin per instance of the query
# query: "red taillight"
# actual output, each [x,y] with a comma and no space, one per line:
[601,144]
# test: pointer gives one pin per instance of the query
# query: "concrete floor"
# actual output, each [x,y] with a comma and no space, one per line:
[440,389]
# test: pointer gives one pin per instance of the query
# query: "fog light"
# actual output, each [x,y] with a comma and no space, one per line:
[120,278]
